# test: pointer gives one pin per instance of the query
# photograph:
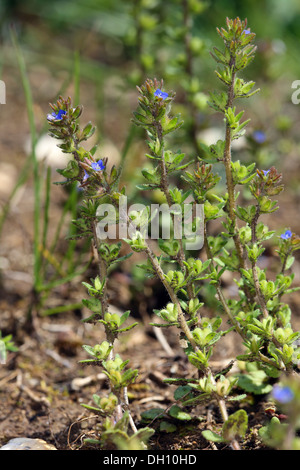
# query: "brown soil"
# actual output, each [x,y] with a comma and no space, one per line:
[42,386]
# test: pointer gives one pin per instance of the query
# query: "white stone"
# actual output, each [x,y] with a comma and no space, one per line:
[25,443]
[47,150]
[212,135]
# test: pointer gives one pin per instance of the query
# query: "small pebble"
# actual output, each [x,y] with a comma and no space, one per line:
[25,443]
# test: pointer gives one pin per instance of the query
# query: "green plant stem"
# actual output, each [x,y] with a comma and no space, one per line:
[127,407]
[188,23]
[260,356]
[222,406]
[285,261]
[32,313]
[228,171]
[36,176]
[118,411]
[259,294]
[182,321]
[73,190]
[102,269]
[231,186]
[186,330]
[61,309]
[260,297]
[181,255]
[219,289]
[164,185]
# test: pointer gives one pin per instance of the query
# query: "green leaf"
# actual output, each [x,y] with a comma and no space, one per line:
[166,426]
[237,397]
[91,408]
[92,441]
[146,187]
[218,101]
[182,392]
[143,434]
[88,361]
[255,382]
[176,412]
[124,317]
[89,349]
[289,262]
[212,436]
[177,380]
[162,325]
[235,426]
[87,132]
[127,328]
[152,414]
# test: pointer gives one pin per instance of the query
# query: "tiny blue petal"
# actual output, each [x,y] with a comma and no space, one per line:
[282,394]
[286,235]
[259,137]
[98,166]
[86,175]
[266,172]
[246,31]
[60,114]
[56,116]
[161,94]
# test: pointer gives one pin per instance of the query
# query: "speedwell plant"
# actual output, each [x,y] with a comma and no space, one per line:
[257,313]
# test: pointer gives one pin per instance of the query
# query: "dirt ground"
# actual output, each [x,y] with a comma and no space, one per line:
[42,386]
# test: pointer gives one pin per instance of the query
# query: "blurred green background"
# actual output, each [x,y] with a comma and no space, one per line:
[120,43]
[135,38]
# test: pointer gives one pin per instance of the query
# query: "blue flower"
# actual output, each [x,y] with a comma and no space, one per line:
[259,137]
[98,166]
[56,116]
[86,175]
[161,94]
[286,235]
[282,394]
[266,172]
[246,31]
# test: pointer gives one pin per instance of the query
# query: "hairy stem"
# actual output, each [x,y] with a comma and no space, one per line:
[231,187]
[164,184]
[259,294]
[219,289]
[285,261]
[185,328]
[182,321]
[260,356]
[102,268]
[229,179]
